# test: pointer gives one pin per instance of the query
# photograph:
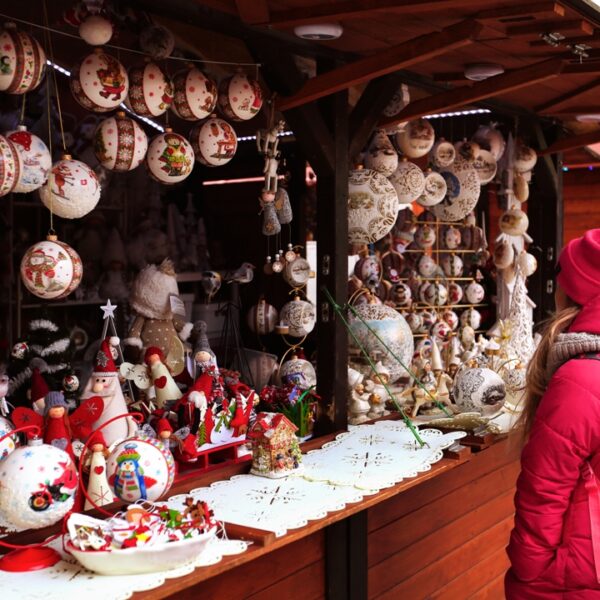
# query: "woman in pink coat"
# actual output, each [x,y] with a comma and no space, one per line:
[554,547]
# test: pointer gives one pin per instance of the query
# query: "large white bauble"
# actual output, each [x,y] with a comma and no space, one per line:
[120,144]
[443,153]
[504,254]
[489,138]
[434,293]
[195,95]
[474,292]
[214,142]
[240,97]
[96,30]
[514,222]
[37,485]
[298,371]
[463,189]
[470,318]
[408,181]
[381,156]
[35,159]
[525,158]
[23,61]
[479,389]
[170,157]
[11,165]
[150,90]
[527,263]
[72,189]
[452,265]
[434,191]
[262,317]
[11,442]
[416,139]
[485,165]
[300,316]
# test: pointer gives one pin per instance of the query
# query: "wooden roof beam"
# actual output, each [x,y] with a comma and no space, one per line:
[385,61]
[562,26]
[552,104]
[537,10]
[572,142]
[463,96]
[253,11]
[584,68]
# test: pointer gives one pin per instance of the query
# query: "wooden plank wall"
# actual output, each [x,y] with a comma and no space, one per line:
[581,189]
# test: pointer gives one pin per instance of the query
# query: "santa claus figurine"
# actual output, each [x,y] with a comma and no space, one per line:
[57,430]
[99,493]
[105,383]
[164,385]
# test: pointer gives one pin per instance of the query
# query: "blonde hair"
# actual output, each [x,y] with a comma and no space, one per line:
[538,376]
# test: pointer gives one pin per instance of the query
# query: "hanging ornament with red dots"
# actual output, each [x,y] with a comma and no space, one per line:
[120,144]
[150,90]
[195,94]
[214,142]
[23,61]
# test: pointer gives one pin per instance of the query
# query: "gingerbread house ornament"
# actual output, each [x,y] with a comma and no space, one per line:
[275,449]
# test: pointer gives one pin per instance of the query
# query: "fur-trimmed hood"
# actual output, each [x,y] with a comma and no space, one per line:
[152,289]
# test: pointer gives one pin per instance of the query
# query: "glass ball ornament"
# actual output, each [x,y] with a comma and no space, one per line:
[470,318]
[491,139]
[415,321]
[479,389]
[455,292]
[443,153]
[262,318]
[300,317]
[72,189]
[434,191]
[214,142]
[426,266]
[195,95]
[96,30]
[416,139]
[463,191]
[408,181]
[450,317]
[23,61]
[381,156]
[157,41]
[525,158]
[474,293]
[425,236]
[120,144]
[452,265]
[51,269]
[35,159]
[170,157]
[441,332]
[11,166]
[299,372]
[240,97]
[8,444]
[430,318]
[401,294]
[140,468]
[514,222]
[451,237]
[434,294]
[150,90]
[99,82]
[504,254]
[37,485]
[527,263]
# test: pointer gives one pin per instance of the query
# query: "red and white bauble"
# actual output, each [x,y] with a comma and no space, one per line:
[214,142]
[8,444]
[120,144]
[96,30]
[11,165]
[150,90]
[22,61]
[416,139]
[262,318]
[140,468]
[426,266]
[37,485]
[170,157]
[195,95]
[51,269]
[450,317]
[474,293]
[451,237]
[35,159]
[401,294]
[99,82]
[415,321]
[240,97]
[72,189]
[425,236]
[441,332]
[455,293]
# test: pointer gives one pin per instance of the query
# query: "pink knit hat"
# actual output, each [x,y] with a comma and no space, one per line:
[579,261]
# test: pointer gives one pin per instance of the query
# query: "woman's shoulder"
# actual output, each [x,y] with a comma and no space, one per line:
[583,372]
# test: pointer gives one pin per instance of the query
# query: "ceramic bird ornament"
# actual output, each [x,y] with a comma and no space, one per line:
[243,274]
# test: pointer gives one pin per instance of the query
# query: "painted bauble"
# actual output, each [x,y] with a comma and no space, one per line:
[51,269]
[435,294]
[99,82]
[463,190]
[120,144]
[11,442]
[296,273]
[299,372]
[485,165]
[441,332]
[399,100]
[455,293]
[520,188]
[504,254]
[11,166]
[527,263]
[425,236]
[150,90]
[140,468]
[401,294]
[408,181]
[368,270]
[434,191]
[195,95]
[170,157]
[467,334]
[372,206]
[416,139]
[37,485]
[525,158]
[430,318]
[35,159]
[415,321]
[474,293]
[515,380]
[473,238]
[96,30]
[393,264]
[450,317]
[381,156]
[240,97]
[72,189]
[426,266]
[262,318]
[443,154]
[452,265]
[489,138]
[514,222]
[300,316]
[451,237]
[470,318]
[157,41]
[466,150]
[392,328]
[479,389]
[23,61]
[214,142]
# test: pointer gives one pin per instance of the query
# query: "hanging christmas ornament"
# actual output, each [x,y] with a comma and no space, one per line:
[485,165]
[514,222]
[11,166]
[520,188]
[466,150]
[262,318]
[463,190]
[140,468]
[527,263]
[479,389]
[474,293]
[8,444]
[425,236]
[297,272]
[490,139]
[300,316]
[96,30]
[72,189]
[372,206]
[434,191]
[525,158]
[399,100]
[35,160]
[416,139]
[277,265]
[441,332]
[455,293]
[99,82]
[408,181]
[451,237]
[283,207]
[426,266]
[170,157]
[430,318]
[240,97]
[299,372]
[195,94]
[270,222]
[452,265]
[120,144]
[415,321]
[268,266]
[22,63]
[157,41]
[504,254]
[434,294]
[214,142]
[51,269]
[150,90]
[368,270]
[38,484]
[290,253]
[451,318]
[442,154]
[470,318]
[381,156]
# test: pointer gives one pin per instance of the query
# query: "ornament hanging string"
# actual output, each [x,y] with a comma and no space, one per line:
[47,28]
[23,104]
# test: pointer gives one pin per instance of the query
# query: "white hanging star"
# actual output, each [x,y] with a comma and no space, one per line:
[108,310]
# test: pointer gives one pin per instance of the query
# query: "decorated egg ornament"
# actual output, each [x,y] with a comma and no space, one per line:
[195,95]
[214,142]
[35,159]
[120,144]
[11,165]
[240,97]
[22,61]
[150,90]
[262,318]
[170,157]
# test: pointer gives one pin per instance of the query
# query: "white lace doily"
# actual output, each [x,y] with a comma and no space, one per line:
[68,579]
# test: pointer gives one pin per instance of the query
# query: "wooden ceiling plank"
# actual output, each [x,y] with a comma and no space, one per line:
[583,68]
[253,11]
[574,141]
[561,26]
[570,41]
[552,104]
[536,10]
[494,86]
[386,61]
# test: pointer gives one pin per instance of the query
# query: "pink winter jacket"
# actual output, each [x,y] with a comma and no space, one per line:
[554,547]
